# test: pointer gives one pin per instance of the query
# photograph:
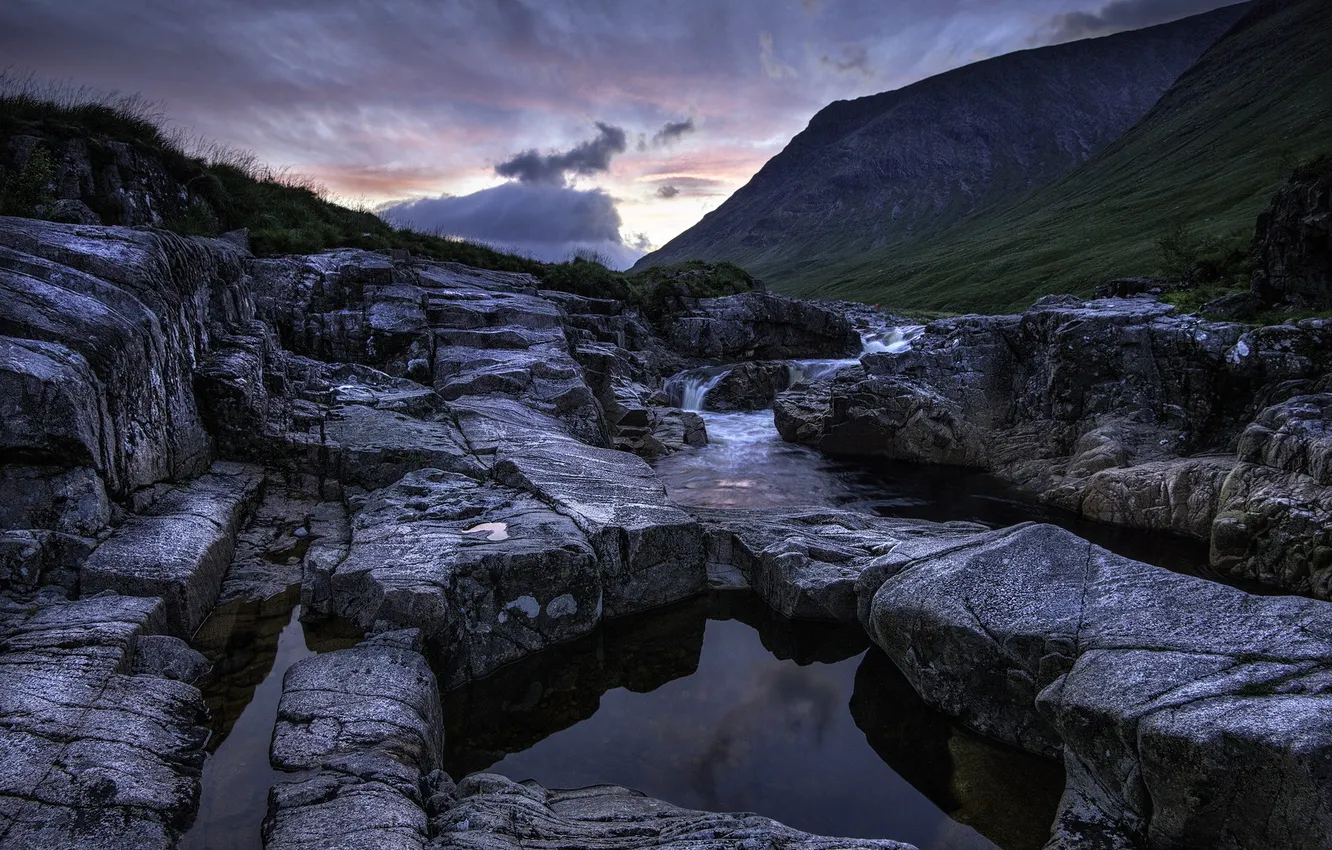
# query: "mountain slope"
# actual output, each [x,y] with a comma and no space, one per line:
[873,171]
[1209,155]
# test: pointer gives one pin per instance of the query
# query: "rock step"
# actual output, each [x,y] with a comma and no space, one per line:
[93,756]
[179,547]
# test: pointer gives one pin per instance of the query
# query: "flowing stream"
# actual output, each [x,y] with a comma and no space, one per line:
[715,703]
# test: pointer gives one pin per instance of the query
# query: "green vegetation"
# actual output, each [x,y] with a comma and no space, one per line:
[1202,164]
[28,192]
[284,213]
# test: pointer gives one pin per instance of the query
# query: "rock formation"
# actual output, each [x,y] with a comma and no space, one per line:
[1293,245]
[436,453]
[1118,409]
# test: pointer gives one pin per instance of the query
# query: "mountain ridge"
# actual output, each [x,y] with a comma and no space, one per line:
[1205,159]
[876,170]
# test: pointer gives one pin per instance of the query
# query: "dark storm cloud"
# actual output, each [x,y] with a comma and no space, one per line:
[673,131]
[543,221]
[1121,15]
[667,191]
[516,212]
[554,169]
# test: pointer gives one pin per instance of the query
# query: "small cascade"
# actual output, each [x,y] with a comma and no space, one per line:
[688,389]
[891,340]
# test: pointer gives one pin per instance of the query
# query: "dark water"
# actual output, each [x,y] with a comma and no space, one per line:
[747,464]
[251,645]
[719,703]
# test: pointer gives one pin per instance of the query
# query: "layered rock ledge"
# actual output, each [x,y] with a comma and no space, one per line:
[1119,410]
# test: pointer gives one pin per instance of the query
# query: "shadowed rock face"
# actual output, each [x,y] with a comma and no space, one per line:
[1293,245]
[1117,409]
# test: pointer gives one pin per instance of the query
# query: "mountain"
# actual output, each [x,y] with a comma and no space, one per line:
[1208,156]
[877,170]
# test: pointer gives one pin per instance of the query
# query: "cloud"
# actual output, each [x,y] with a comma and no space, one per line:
[542,221]
[1121,15]
[684,185]
[772,66]
[554,169]
[672,132]
[854,60]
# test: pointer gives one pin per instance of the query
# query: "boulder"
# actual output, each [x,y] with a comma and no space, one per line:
[102,328]
[179,547]
[1293,243]
[1153,685]
[650,551]
[488,572]
[748,386]
[366,722]
[758,326]
[806,563]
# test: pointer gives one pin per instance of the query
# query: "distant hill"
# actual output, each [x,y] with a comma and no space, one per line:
[878,170]
[1209,156]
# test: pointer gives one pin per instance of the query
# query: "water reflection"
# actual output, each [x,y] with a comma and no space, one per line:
[251,645]
[721,704]
[746,464]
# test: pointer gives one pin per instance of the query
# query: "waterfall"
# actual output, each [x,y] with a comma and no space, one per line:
[895,340]
[690,388]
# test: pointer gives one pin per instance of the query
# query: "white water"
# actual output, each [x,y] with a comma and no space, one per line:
[691,387]
[746,462]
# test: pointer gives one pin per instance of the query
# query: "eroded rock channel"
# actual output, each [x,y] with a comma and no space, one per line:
[357,550]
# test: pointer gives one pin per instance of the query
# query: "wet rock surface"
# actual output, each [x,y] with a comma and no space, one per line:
[493,811]
[806,564]
[1149,684]
[93,755]
[1118,409]
[489,572]
[452,460]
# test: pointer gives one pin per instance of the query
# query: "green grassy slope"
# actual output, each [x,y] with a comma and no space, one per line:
[1209,155]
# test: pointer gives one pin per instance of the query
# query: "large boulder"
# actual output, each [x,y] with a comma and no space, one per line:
[759,326]
[1293,243]
[806,562]
[650,551]
[179,547]
[1153,685]
[364,724]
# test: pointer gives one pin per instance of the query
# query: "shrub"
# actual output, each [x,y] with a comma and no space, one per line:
[29,191]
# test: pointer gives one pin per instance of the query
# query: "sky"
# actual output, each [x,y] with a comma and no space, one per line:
[548,126]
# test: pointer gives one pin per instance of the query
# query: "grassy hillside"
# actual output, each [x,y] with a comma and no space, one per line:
[284,214]
[1205,161]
